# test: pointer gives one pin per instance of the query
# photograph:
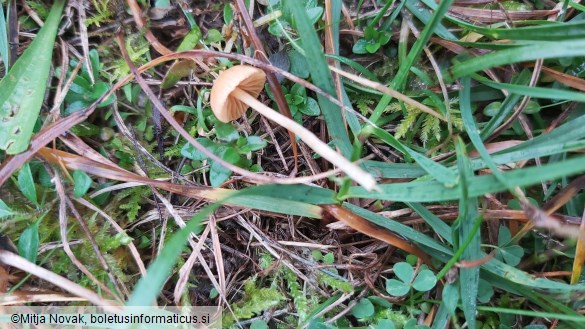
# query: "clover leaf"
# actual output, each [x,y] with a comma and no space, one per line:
[510,254]
[425,280]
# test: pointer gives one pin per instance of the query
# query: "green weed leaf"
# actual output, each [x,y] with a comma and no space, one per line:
[218,174]
[191,152]
[26,184]
[23,89]
[363,309]
[298,64]
[259,324]
[213,35]
[404,272]
[82,183]
[397,288]
[385,324]
[424,281]
[450,297]
[183,108]
[253,143]
[360,46]
[485,291]
[512,255]
[225,131]
[28,243]
[5,211]
[329,258]
[4,50]
[310,107]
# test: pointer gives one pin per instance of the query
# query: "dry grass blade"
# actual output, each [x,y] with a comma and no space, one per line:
[566,79]
[64,229]
[137,14]
[25,297]
[364,226]
[330,49]
[391,92]
[133,250]
[496,147]
[75,162]
[497,15]
[185,270]
[542,219]
[10,259]
[579,253]
[80,6]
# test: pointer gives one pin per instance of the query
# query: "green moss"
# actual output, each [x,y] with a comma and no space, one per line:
[430,133]
[298,295]
[334,283]
[131,200]
[255,301]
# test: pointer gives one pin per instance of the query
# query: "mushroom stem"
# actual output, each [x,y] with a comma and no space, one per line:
[352,170]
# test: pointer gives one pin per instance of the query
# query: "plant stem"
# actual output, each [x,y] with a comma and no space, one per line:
[352,170]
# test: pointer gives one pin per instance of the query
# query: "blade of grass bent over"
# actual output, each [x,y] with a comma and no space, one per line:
[23,89]
[436,170]
[472,131]
[536,50]
[465,225]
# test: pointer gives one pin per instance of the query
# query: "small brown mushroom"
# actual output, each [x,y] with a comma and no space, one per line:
[236,89]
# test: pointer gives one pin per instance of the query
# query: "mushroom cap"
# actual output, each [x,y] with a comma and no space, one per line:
[247,78]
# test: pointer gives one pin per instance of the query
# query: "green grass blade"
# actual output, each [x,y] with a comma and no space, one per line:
[530,153]
[536,92]
[417,9]
[276,205]
[434,248]
[352,119]
[402,74]
[23,89]
[507,106]
[536,50]
[472,131]
[436,170]
[4,50]
[442,318]
[432,191]
[558,31]
[467,230]
[148,287]
[540,146]
[354,65]
[576,6]
[538,290]
[321,77]
[570,131]
[539,315]
[439,226]
[393,170]
[298,200]
[300,193]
